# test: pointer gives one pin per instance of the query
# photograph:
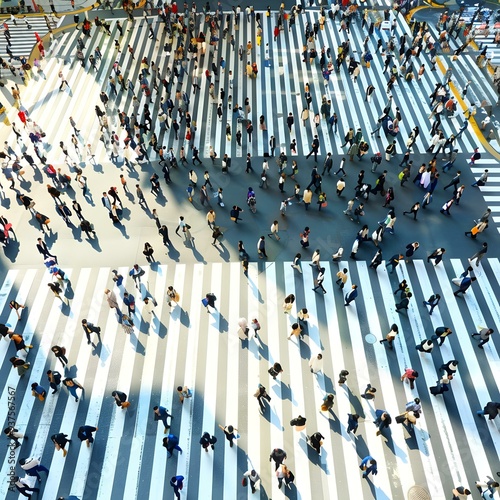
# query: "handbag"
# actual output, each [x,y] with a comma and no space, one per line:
[324,204]
[244,481]
[204,301]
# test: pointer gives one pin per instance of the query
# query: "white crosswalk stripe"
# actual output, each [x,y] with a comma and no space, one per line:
[450,445]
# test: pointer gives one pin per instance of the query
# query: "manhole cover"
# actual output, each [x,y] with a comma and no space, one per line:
[418,493]
[370,338]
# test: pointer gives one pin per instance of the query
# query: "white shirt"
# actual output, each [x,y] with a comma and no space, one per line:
[316,364]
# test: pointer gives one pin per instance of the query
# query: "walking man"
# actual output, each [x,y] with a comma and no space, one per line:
[480,254]
[368,464]
[350,296]
[314,149]
[261,247]
[161,413]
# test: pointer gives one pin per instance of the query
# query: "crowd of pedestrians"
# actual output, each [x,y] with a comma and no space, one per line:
[134,142]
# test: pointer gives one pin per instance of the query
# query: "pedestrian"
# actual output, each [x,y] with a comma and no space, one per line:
[341,168]
[464,285]
[72,385]
[314,149]
[148,252]
[425,346]
[403,304]
[432,301]
[207,441]
[390,150]
[484,334]
[442,385]
[377,259]
[230,432]
[136,272]
[85,433]
[20,363]
[441,333]
[60,354]
[491,486]
[437,255]
[209,301]
[23,486]
[38,391]
[177,482]
[253,478]
[274,230]
[89,328]
[235,213]
[460,492]
[491,409]
[389,338]
[13,434]
[411,248]
[480,254]
[382,420]
[44,249]
[450,367]
[413,210]
[368,465]
[369,392]
[120,399]
[161,413]
[411,375]
[318,282]
[184,393]
[54,378]
[32,466]
[394,262]
[60,440]
[350,296]
[111,299]
[342,278]
[19,343]
[18,308]
[279,456]
[297,264]
[316,363]
[316,441]
[352,422]
[261,247]
[261,395]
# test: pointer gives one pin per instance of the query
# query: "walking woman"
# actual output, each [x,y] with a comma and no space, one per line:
[148,252]
[60,441]
[57,291]
[72,385]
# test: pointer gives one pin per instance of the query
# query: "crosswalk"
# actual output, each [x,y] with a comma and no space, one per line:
[184,345]
[490,190]
[277,90]
[23,34]
[480,91]
[465,68]
[485,39]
